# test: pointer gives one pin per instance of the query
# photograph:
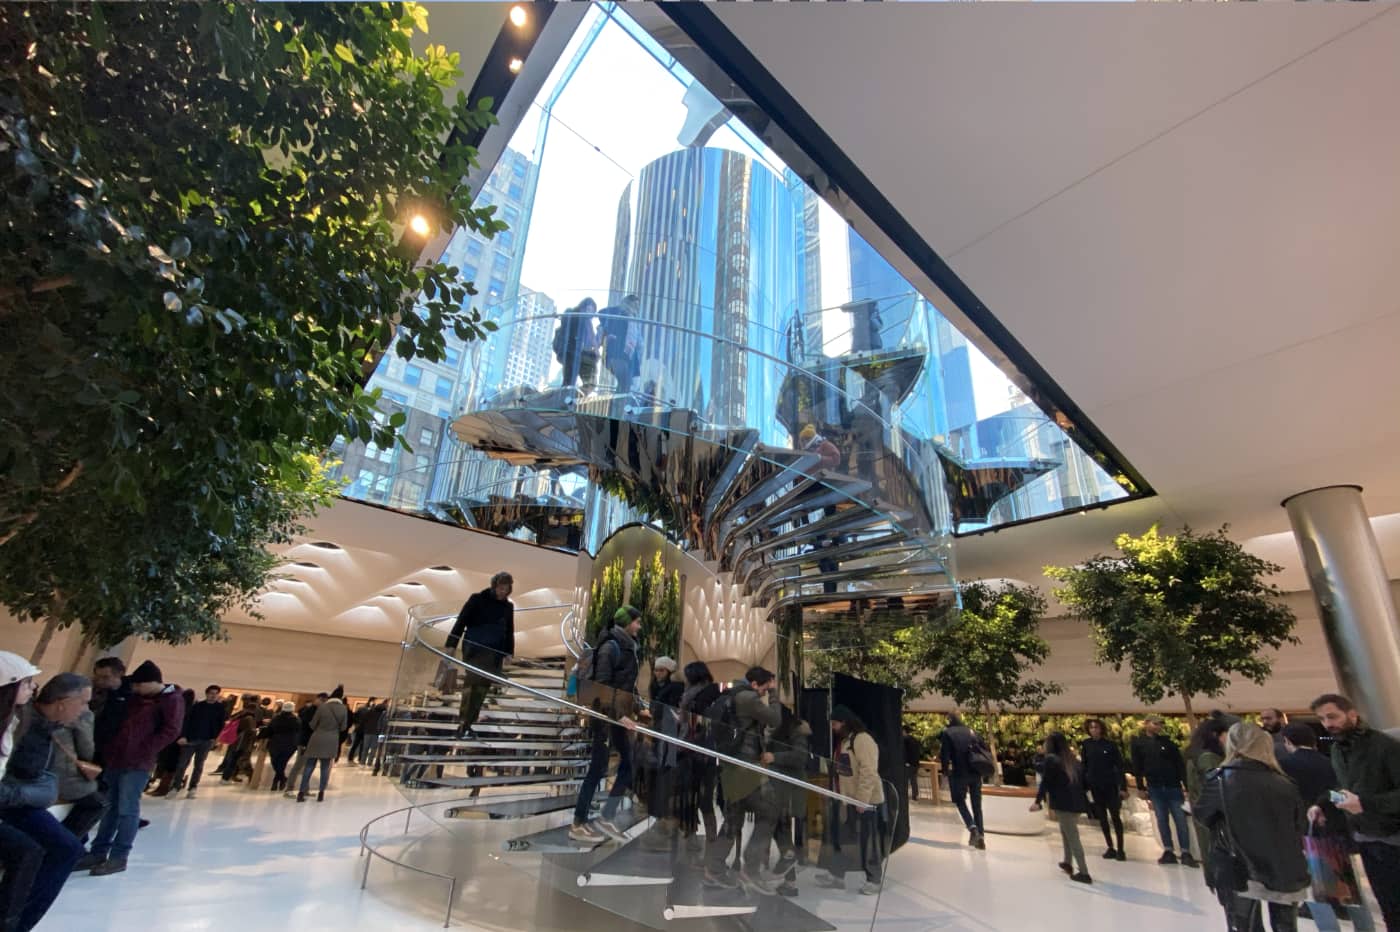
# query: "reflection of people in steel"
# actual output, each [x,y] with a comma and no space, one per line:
[574,339]
[813,442]
[622,342]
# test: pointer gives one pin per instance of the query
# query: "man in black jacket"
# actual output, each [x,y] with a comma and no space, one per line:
[954,746]
[1367,762]
[1161,772]
[202,726]
[616,662]
[486,630]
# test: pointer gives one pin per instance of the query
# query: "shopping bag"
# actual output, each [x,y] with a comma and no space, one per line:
[1329,863]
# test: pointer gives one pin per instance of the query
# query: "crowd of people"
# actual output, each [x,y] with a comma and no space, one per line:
[96,745]
[1275,820]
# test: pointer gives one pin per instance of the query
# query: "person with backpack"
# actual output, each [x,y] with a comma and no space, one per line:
[608,684]
[960,751]
[573,338]
[739,719]
[1062,782]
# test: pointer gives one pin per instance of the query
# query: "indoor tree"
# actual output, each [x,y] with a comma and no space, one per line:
[1184,612]
[981,660]
[202,256]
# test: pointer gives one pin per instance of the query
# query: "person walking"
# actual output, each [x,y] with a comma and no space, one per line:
[741,717]
[485,628]
[1106,779]
[327,725]
[791,747]
[283,733]
[857,766]
[202,726]
[361,721]
[373,725]
[305,715]
[664,712]
[622,341]
[37,852]
[699,772]
[1161,774]
[153,718]
[1256,820]
[912,752]
[955,748]
[1367,762]
[1062,782]
[238,762]
[1204,754]
[616,663]
[574,338]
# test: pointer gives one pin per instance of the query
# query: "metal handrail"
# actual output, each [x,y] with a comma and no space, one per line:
[366,847]
[633,726]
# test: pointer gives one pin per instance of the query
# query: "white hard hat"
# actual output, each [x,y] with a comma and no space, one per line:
[14,668]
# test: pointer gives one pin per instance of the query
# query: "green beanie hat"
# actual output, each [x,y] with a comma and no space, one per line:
[623,616]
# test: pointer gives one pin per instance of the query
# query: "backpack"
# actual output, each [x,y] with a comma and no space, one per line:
[726,732]
[591,692]
[559,339]
[981,760]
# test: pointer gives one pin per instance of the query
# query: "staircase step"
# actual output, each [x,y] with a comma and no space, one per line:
[524,779]
[493,744]
[489,761]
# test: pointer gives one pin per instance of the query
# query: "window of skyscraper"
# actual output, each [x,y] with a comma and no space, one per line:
[412,375]
[443,386]
[426,437]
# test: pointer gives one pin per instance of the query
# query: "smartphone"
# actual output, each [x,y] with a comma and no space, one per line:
[1337,796]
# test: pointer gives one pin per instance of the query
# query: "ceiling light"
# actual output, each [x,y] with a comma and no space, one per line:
[419,225]
[413,582]
[518,16]
[306,564]
[515,65]
[326,545]
[441,569]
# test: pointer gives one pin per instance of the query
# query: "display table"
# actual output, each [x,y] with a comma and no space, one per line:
[1006,811]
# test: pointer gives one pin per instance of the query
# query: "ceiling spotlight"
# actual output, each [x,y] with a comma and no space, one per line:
[515,65]
[325,545]
[518,16]
[419,225]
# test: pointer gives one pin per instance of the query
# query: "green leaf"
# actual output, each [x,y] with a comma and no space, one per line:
[343,52]
[97,27]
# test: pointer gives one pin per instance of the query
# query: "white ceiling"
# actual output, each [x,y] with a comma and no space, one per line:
[1187,214]
[385,562]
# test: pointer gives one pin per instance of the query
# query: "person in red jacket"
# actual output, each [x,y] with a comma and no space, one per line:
[152,719]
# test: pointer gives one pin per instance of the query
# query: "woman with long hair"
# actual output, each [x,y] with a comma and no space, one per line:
[1204,753]
[1062,782]
[698,772]
[1256,820]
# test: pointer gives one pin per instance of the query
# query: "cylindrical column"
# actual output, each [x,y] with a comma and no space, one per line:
[1353,596]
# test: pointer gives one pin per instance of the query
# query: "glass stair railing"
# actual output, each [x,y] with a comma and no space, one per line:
[506,853]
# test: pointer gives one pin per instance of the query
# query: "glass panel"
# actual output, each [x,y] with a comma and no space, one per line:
[774,835]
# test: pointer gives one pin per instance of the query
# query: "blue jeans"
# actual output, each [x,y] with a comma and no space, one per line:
[311,763]
[118,829]
[960,786]
[620,740]
[1170,799]
[52,852]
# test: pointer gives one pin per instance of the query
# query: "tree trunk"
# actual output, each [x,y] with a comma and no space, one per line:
[992,742]
[1190,713]
[50,626]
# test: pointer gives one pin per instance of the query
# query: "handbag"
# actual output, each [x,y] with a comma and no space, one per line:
[229,735]
[979,757]
[1228,865]
[1329,865]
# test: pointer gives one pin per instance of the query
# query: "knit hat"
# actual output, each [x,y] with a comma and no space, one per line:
[289,707]
[338,692]
[148,672]
[807,434]
[14,668]
[623,616]
[664,663]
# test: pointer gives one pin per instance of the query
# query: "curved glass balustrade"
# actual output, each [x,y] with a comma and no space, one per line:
[500,798]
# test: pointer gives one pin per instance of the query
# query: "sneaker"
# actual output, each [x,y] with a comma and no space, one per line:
[980,842]
[722,881]
[1111,854]
[109,866]
[1168,857]
[610,829]
[172,793]
[785,863]
[869,888]
[88,861]
[753,883]
[825,879]
[972,838]
[1064,866]
[142,823]
[1081,878]
[189,794]
[787,889]
[1188,861]
[584,834]
[1122,855]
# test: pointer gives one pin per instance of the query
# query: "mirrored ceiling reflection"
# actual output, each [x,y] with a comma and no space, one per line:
[628,176]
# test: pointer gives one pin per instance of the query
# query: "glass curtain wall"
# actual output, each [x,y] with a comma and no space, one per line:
[628,178]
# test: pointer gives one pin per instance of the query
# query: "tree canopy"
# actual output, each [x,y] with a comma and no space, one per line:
[202,255]
[1184,611]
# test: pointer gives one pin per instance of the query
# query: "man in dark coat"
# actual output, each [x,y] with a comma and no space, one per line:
[486,630]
